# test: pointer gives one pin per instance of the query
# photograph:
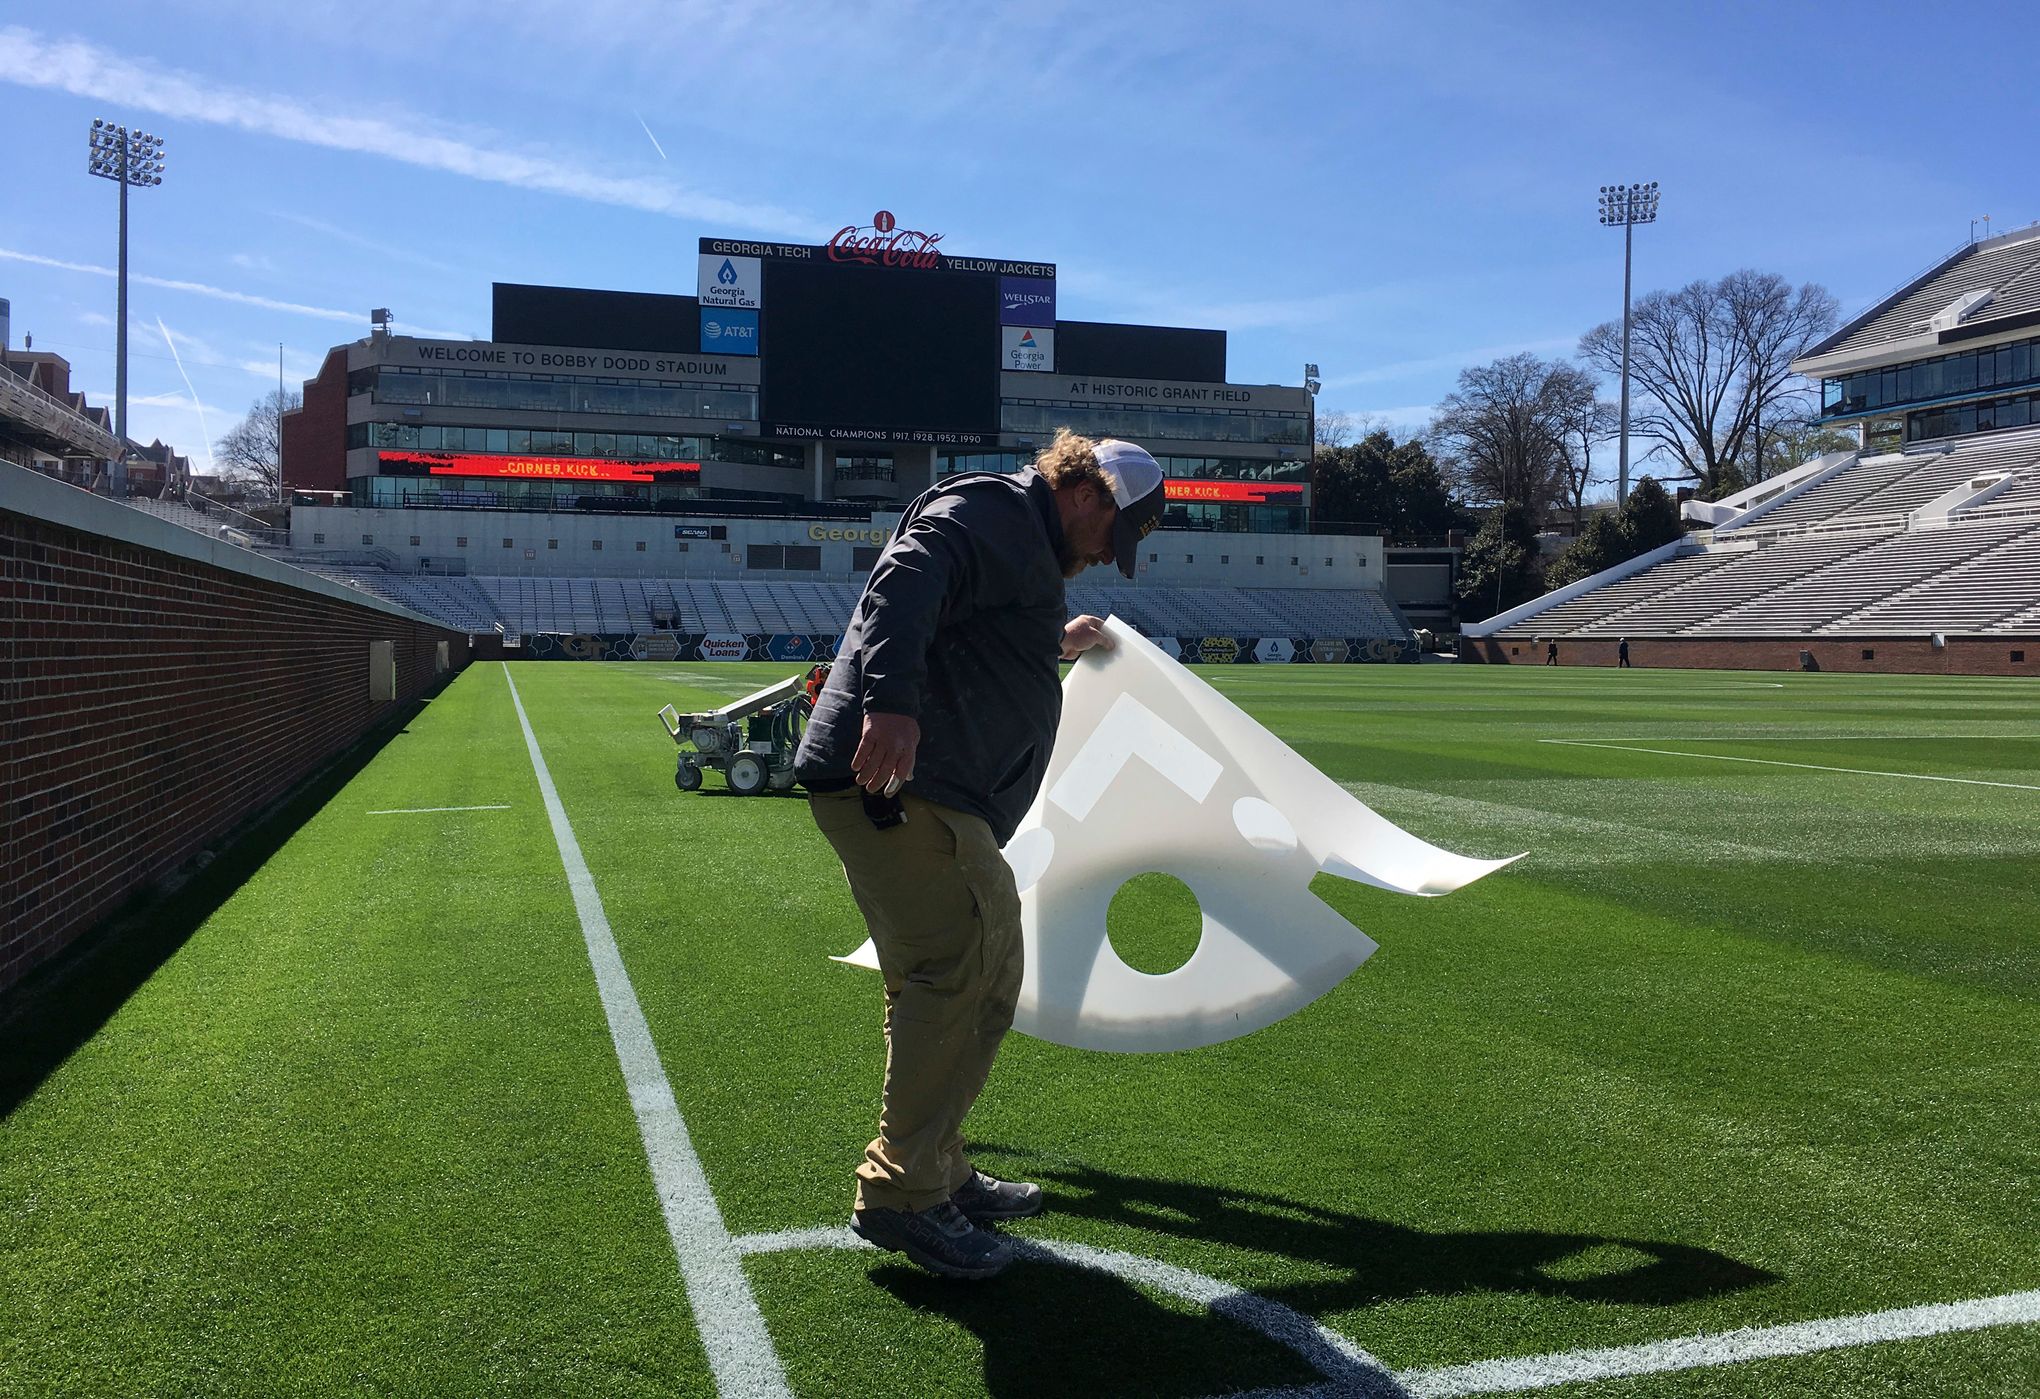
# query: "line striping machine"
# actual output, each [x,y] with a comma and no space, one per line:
[750,741]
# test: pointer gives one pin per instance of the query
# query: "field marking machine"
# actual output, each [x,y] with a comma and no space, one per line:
[750,741]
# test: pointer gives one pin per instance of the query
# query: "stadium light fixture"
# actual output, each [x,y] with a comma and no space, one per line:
[129,159]
[1627,206]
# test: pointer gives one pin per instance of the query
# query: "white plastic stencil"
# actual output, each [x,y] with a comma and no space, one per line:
[1155,771]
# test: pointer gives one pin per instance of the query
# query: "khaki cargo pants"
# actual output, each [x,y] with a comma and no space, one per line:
[943,912]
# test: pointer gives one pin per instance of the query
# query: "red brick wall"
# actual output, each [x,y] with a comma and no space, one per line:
[150,705]
[1908,655]
[315,436]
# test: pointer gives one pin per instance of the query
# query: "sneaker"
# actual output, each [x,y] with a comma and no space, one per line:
[984,1200]
[939,1238]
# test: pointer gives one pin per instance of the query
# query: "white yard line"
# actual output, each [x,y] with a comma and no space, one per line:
[1727,1348]
[1814,738]
[726,1313]
[423,810]
[1780,763]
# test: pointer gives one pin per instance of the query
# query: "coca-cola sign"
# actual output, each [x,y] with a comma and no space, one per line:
[885,244]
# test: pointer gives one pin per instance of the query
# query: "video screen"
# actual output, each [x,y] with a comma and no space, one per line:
[880,347]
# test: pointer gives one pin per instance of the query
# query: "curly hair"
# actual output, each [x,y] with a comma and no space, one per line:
[1071,459]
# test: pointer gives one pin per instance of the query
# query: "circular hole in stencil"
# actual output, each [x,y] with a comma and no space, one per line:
[1154,923]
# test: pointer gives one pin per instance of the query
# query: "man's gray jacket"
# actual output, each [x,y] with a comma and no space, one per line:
[960,627]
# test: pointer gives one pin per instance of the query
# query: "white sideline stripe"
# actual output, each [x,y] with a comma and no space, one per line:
[1728,1348]
[422,810]
[1350,1371]
[725,1311]
[1815,738]
[1780,763]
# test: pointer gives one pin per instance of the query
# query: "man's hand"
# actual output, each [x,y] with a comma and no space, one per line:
[1082,634]
[886,751]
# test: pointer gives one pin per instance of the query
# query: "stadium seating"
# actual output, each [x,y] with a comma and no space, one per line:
[1854,554]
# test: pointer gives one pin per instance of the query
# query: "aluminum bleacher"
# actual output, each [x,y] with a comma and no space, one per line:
[1855,554]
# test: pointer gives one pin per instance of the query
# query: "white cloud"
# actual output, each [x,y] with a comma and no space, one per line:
[163,400]
[1455,360]
[85,70]
[266,303]
[252,262]
[346,235]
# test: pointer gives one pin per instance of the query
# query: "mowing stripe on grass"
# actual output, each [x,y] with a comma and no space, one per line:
[1728,1348]
[423,810]
[1780,763]
[725,1311]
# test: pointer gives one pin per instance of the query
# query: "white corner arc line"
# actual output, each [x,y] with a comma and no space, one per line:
[1726,1348]
[1350,1371]
[726,1314]
[424,810]
[1780,763]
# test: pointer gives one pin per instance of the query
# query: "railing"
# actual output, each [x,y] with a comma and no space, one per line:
[259,532]
[50,415]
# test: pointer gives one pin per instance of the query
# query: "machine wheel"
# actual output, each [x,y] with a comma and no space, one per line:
[687,777]
[746,775]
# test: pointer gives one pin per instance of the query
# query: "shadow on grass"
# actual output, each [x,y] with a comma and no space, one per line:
[63,1003]
[1101,1326]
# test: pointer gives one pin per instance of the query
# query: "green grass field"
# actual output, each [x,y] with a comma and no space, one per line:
[1740,1044]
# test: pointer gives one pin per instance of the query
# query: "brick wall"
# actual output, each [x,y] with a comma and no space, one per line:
[314,437]
[158,690]
[1898,655]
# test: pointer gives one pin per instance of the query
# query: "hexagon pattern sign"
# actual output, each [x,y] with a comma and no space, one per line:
[1156,771]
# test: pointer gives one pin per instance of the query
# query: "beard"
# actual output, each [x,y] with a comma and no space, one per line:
[1072,562]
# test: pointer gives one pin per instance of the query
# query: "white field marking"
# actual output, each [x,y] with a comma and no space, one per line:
[1780,763]
[725,1311]
[423,810]
[1350,1371]
[1816,738]
[1727,1348]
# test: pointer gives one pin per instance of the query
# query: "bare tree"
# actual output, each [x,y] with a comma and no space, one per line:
[1504,430]
[251,453]
[1713,361]
[1589,422]
[1334,429]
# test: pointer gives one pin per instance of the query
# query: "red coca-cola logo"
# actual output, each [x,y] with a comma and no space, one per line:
[885,244]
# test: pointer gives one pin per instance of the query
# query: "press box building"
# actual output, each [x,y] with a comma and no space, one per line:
[843,378]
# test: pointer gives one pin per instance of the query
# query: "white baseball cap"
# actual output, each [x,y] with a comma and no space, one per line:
[1138,493]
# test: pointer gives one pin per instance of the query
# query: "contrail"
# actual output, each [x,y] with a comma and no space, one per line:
[649,137]
[212,468]
[324,313]
[86,70]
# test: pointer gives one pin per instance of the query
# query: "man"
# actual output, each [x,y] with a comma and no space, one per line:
[1551,653]
[1622,654]
[925,749]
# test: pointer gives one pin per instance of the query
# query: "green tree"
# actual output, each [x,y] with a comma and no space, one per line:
[1647,520]
[1650,517]
[1499,568]
[1381,483]
[1602,544]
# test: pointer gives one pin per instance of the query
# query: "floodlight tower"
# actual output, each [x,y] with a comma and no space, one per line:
[127,158]
[1627,205]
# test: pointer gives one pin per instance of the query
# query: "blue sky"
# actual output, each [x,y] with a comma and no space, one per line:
[1394,192]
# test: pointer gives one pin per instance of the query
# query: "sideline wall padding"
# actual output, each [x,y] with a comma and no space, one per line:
[785,646]
[158,691]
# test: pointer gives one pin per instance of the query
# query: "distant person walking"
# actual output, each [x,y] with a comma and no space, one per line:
[1622,654]
[1551,653]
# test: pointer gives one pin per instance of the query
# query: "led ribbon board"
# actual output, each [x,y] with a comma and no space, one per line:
[541,468]
[1233,492]
[1155,771]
